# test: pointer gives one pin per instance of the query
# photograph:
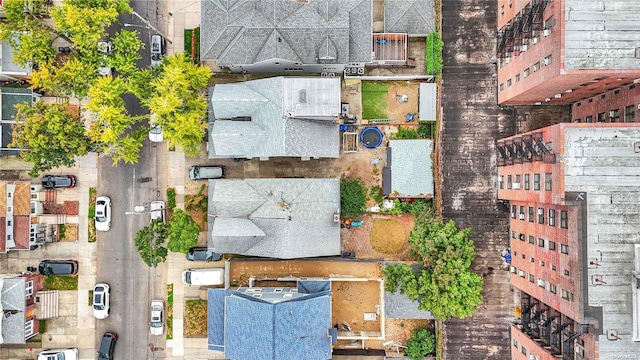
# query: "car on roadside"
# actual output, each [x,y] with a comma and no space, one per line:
[202,253]
[108,343]
[58,267]
[203,277]
[155,134]
[105,48]
[101,301]
[58,354]
[156,325]
[157,210]
[158,49]
[103,213]
[58,181]
[206,172]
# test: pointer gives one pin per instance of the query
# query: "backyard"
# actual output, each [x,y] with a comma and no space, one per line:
[392,100]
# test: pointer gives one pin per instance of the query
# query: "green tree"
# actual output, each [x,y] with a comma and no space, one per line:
[353,196]
[442,282]
[178,100]
[149,241]
[421,343]
[126,47]
[183,232]
[53,133]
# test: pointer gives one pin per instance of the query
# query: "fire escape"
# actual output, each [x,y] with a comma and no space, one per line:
[524,148]
[523,29]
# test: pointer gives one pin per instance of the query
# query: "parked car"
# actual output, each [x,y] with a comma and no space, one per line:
[58,181]
[202,253]
[158,49]
[206,172]
[58,354]
[155,134]
[203,277]
[103,213]
[157,210]
[58,267]
[105,47]
[108,343]
[101,295]
[156,325]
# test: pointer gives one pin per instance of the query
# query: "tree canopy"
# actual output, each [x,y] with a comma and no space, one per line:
[442,282]
[53,133]
[149,241]
[421,343]
[183,232]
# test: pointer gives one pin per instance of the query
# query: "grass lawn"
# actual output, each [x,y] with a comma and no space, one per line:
[192,43]
[92,214]
[195,318]
[170,311]
[374,99]
[387,236]
[60,282]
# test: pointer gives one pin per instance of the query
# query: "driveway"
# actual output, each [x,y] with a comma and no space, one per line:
[472,122]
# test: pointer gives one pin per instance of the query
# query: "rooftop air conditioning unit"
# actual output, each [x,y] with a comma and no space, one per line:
[541,283]
[521,273]
[540,211]
[521,236]
[507,60]
[516,185]
[524,48]
[546,61]
[521,217]
[535,40]
[546,32]
[512,269]
[612,114]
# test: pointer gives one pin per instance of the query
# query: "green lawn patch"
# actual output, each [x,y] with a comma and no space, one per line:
[90,297]
[52,282]
[192,43]
[374,100]
[169,311]
[92,214]
[43,326]
[434,54]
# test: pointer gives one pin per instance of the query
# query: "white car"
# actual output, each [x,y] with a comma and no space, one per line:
[158,49]
[101,294]
[157,209]
[203,277]
[155,134]
[58,354]
[156,325]
[103,213]
[105,47]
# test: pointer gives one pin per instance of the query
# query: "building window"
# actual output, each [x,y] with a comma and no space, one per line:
[552,288]
[541,242]
[501,181]
[29,288]
[615,115]
[567,295]
[553,267]
[517,78]
[547,60]
[532,239]
[525,73]
[588,119]
[601,117]
[514,209]
[564,220]
[517,182]
[578,120]
[564,249]
[547,182]
[629,113]
[513,234]
[501,87]
[536,181]
[531,259]
[509,183]
[532,278]
[552,217]
[28,328]
[515,343]
[566,272]
[509,83]
[540,216]
[552,245]
[536,66]
[541,263]
[523,350]
[531,215]
[521,212]
[526,181]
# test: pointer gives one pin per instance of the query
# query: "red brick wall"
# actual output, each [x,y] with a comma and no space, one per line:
[619,99]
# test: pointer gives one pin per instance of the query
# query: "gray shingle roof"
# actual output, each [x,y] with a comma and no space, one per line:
[236,32]
[290,116]
[278,218]
[252,328]
[414,17]
[411,168]
[12,301]
[399,306]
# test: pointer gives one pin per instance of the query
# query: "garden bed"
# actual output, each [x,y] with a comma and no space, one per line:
[60,282]
[195,318]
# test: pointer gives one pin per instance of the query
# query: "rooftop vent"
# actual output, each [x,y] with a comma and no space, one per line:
[302,96]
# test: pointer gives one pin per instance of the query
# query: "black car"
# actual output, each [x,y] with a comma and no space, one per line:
[107,345]
[202,254]
[58,267]
[58,181]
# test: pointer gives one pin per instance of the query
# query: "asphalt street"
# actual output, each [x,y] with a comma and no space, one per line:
[133,283]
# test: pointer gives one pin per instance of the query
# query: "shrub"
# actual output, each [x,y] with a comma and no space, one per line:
[171,198]
[376,194]
[183,232]
[424,132]
[422,342]
[353,196]
[405,134]
[434,53]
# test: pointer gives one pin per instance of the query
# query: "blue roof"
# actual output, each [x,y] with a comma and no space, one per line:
[257,329]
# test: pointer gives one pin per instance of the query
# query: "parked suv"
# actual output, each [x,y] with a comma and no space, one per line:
[58,267]
[58,181]
[201,253]
[157,210]
[203,277]
[206,172]
[108,343]
[105,48]
[158,49]
[58,354]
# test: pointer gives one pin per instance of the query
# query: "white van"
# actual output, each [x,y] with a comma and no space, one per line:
[203,277]
[157,210]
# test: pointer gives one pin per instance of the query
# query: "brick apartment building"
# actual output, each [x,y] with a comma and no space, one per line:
[564,51]
[574,194]
[618,105]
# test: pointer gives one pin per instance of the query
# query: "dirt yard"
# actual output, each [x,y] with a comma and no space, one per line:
[396,110]
[387,235]
[358,239]
[351,300]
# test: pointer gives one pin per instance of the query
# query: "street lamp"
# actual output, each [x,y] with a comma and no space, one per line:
[134,25]
[148,25]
